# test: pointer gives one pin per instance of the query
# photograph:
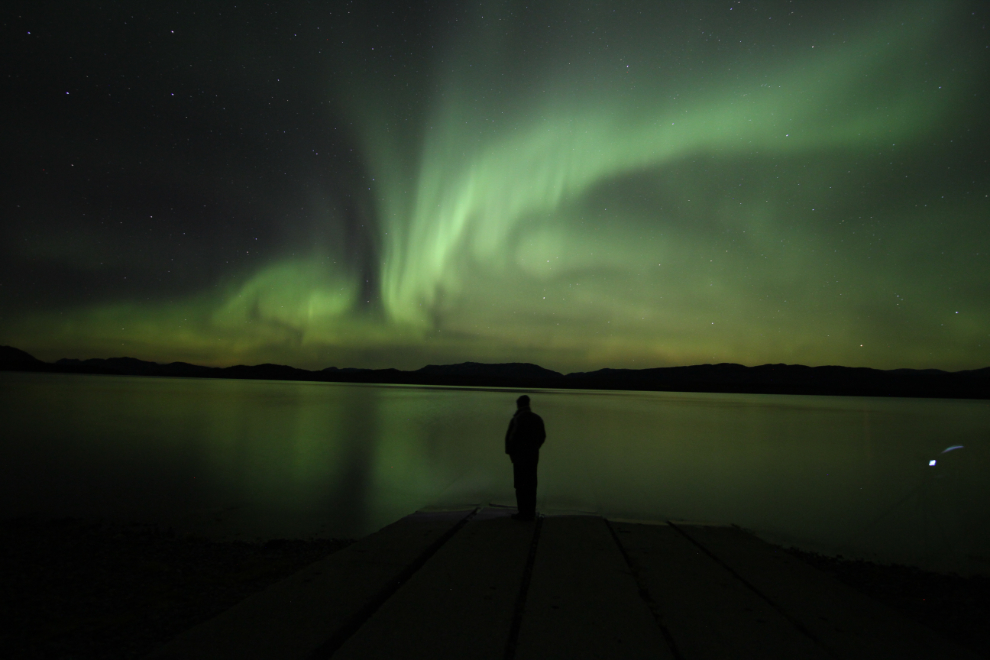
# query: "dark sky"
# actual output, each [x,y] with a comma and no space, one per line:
[575,184]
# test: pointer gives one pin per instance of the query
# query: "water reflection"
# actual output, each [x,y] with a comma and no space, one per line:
[253,458]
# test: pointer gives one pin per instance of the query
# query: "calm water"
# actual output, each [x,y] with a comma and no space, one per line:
[261,459]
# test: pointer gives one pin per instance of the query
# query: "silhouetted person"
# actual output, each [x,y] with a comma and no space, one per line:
[522,443]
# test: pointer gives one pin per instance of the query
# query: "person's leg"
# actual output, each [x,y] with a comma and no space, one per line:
[527,504]
[524,479]
[533,495]
[518,481]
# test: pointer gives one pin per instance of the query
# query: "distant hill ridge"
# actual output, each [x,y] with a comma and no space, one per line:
[508,369]
[9,354]
[725,377]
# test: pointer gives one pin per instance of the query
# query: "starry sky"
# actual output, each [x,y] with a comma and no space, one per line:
[576,184]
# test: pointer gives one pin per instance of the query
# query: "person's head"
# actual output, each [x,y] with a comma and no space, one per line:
[522,402]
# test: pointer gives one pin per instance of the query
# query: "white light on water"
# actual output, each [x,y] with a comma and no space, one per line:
[931,463]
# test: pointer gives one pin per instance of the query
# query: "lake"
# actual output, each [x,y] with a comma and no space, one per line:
[265,459]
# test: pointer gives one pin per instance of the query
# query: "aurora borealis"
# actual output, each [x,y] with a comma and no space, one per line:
[574,184]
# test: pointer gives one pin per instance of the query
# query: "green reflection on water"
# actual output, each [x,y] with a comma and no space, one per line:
[261,458]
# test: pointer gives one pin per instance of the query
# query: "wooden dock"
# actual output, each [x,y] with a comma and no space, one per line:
[476,584]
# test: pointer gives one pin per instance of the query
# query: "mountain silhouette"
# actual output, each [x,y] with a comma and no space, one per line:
[478,369]
[11,355]
[726,377]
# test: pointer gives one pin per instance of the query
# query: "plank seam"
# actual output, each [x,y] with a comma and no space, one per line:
[517,616]
[358,619]
[749,585]
[644,593]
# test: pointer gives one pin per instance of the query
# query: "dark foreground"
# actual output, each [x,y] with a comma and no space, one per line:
[97,590]
[91,589]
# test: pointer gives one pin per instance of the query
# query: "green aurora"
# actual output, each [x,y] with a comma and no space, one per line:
[579,185]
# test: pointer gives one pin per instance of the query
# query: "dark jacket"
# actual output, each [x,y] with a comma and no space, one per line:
[525,435]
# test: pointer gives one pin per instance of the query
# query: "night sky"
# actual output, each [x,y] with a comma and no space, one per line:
[575,184]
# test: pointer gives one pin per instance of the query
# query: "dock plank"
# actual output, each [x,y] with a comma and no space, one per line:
[460,604]
[846,622]
[706,610]
[417,589]
[293,618]
[583,601]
